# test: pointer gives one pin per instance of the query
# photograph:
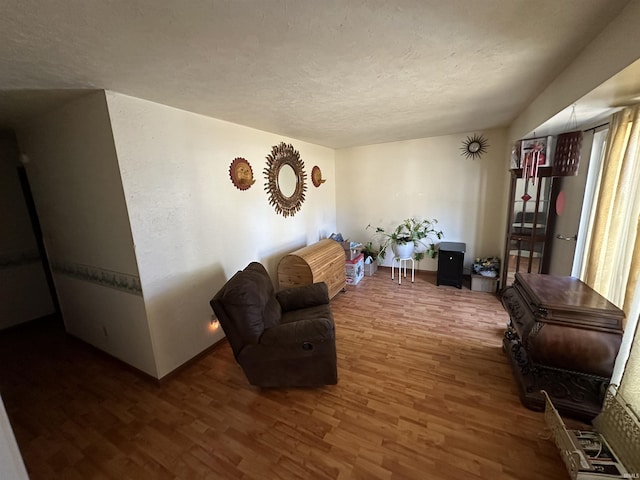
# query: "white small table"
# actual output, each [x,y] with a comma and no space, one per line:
[402,262]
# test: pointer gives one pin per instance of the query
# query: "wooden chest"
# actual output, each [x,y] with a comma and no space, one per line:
[323,261]
[563,337]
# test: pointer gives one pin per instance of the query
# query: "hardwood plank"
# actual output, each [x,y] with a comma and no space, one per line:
[424,391]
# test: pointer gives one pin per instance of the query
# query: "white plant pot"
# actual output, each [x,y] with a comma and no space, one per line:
[403,251]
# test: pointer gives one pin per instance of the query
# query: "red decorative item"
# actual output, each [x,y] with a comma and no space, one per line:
[560,202]
[567,155]
[534,155]
[526,197]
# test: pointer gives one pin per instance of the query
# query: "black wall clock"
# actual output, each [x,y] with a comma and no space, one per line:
[474,147]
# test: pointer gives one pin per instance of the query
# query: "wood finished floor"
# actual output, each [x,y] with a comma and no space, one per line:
[424,392]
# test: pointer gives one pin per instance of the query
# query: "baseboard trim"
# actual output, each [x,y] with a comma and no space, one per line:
[140,373]
[188,363]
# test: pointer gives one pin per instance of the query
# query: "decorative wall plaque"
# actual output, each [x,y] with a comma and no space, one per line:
[241,173]
[567,156]
[316,176]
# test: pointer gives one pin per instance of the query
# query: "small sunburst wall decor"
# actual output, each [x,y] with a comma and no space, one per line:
[241,173]
[474,146]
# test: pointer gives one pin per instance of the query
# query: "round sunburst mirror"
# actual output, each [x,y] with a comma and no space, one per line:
[474,146]
[285,179]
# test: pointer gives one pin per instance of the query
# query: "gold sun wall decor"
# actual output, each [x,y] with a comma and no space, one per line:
[241,173]
[474,146]
[286,156]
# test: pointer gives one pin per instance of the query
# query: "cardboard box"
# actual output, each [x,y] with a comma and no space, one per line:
[351,249]
[481,283]
[354,269]
[370,268]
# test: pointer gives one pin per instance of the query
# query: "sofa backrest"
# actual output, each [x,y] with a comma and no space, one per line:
[246,305]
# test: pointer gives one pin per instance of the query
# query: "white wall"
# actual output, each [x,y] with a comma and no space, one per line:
[24,294]
[617,46]
[73,171]
[11,463]
[192,228]
[427,178]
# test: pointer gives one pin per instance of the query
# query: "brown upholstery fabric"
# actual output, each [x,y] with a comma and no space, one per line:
[303,297]
[279,340]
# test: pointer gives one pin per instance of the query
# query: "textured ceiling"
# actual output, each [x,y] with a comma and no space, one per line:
[332,72]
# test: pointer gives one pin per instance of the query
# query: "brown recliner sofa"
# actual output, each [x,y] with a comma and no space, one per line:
[282,339]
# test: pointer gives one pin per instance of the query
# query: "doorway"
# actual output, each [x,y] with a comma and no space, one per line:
[37,232]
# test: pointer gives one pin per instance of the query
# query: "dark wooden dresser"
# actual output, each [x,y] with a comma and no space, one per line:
[563,337]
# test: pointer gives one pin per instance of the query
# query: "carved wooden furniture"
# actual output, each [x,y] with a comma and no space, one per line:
[320,262]
[450,263]
[562,337]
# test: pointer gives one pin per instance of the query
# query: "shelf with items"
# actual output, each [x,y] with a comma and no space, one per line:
[523,237]
[542,172]
[524,253]
[530,223]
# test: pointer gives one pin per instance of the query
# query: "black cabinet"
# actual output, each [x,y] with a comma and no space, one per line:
[450,263]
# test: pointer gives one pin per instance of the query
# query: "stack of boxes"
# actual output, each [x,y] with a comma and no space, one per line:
[354,259]
[354,263]
[355,269]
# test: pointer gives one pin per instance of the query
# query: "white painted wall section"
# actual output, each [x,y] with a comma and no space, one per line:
[193,229]
[427,178]
[77,189]
[616,47]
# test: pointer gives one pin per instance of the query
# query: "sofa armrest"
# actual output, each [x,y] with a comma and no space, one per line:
[299,333]
[305,296]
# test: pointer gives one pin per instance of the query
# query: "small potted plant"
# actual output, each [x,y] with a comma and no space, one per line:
[486,266]
[370,259]
[484,273]
[411,238]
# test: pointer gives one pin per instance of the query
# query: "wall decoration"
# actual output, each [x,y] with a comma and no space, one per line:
[241,173]
[566,158]
[316,176]
[474,147]
[285,173]
[535,154]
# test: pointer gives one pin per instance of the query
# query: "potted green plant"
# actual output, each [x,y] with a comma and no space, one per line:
[486,266]
[370,259]
[416,237]
[484,274]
